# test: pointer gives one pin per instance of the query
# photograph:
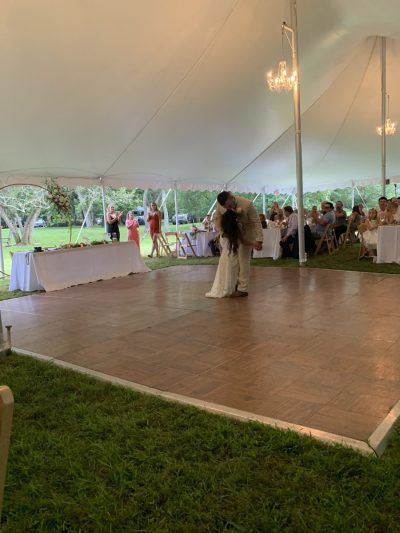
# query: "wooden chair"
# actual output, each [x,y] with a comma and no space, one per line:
[345,239]
[328,238]
[363,252]
[187,247]
[168,243]
[6,414]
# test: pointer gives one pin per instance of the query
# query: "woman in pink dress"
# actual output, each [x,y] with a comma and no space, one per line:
[132,225]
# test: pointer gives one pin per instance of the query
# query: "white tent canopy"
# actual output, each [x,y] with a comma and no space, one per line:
[171,93]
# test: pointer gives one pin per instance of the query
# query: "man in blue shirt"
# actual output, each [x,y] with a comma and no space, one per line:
[326,217]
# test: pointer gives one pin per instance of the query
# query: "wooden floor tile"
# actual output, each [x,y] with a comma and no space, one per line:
[304,347]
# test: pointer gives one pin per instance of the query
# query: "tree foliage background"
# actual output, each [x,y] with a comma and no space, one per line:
[20,206]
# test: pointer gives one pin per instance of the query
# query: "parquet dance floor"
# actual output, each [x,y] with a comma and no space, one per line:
[315,348]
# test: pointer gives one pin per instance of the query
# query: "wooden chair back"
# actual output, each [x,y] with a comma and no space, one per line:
[6,414]
[187,246]
[166,244]
[329,238]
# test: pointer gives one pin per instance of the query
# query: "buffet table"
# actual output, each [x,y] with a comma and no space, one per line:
[271,247]
[58,269]
[388,247]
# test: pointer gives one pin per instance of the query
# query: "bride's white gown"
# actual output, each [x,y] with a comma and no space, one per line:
[226,277]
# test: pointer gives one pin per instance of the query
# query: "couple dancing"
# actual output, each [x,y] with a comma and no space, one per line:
[240,230]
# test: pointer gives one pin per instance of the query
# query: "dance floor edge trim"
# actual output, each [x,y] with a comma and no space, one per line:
[375,445]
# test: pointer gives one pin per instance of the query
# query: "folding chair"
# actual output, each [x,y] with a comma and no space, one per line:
[169,247]
[6,414]
[363,252]
[187,246]
[345,238]
[328,238]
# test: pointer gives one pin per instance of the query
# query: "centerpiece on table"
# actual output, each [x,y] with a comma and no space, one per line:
[62,201]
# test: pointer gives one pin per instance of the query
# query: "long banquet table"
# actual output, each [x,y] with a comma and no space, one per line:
[388,246]
[58,269]
[271,247]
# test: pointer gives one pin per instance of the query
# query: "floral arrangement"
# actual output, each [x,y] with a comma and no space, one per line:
[60,198]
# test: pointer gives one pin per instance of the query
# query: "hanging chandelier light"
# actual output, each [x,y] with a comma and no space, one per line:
[390,126]
[283,80]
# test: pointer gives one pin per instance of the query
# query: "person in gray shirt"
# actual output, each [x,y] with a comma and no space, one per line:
[326,217]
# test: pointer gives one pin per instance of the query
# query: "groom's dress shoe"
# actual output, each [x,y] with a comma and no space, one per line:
[239,294]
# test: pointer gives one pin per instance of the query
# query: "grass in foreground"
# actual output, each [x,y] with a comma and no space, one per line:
[89,456]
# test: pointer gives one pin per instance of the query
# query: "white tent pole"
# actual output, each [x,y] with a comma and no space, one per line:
[165,198]
[84,220]
[294,201]
[297,122]
[361,196]
[263,200]
[383,114]
[286,199]
[176,210]
[352,194]
[255,198]
[103,196]
[213,205]
[1,253]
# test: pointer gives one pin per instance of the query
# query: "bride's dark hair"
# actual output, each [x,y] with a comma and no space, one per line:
[230,229]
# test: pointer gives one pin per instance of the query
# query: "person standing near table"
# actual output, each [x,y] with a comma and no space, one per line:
[154,220]
[113,219]
[132,226]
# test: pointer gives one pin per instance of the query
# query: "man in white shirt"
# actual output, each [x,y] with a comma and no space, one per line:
[291,232]
[383,201]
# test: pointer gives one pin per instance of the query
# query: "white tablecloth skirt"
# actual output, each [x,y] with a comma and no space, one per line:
[23,273]
[200,243]
[271,247]
[388,247]
[64,268]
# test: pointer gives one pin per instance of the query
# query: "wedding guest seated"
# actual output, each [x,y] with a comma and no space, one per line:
[207,223]
[326,217]
[274,211]
[370,235]
[396,201]
[340,220]
[391,211]
[382,208]
[355,220]
[263,220]
[279,219]
[290,233]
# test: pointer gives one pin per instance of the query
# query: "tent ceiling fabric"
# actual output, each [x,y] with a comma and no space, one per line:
[171,93]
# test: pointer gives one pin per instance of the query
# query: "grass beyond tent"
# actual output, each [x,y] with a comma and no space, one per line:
[89,456]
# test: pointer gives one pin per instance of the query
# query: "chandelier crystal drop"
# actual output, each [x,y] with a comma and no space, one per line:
[390,128]
[282,81]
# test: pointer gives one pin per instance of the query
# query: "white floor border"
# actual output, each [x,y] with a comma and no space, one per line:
[375,445]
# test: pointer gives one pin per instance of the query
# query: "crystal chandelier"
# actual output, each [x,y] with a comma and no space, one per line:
[390,126]
[283,81]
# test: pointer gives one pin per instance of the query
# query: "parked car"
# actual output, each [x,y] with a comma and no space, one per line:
[139,214]
[39,223]
[183,218]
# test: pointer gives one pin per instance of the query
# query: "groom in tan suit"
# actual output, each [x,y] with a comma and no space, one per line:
[251,229]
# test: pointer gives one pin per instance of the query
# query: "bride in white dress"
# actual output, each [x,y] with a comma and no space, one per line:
[226,277]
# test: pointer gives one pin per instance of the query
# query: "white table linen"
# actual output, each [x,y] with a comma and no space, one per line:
[388,247]
[59,269]
[200,243]
[271,247]
[23,274]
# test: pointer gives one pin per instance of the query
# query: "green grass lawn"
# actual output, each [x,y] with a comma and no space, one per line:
[87,456]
